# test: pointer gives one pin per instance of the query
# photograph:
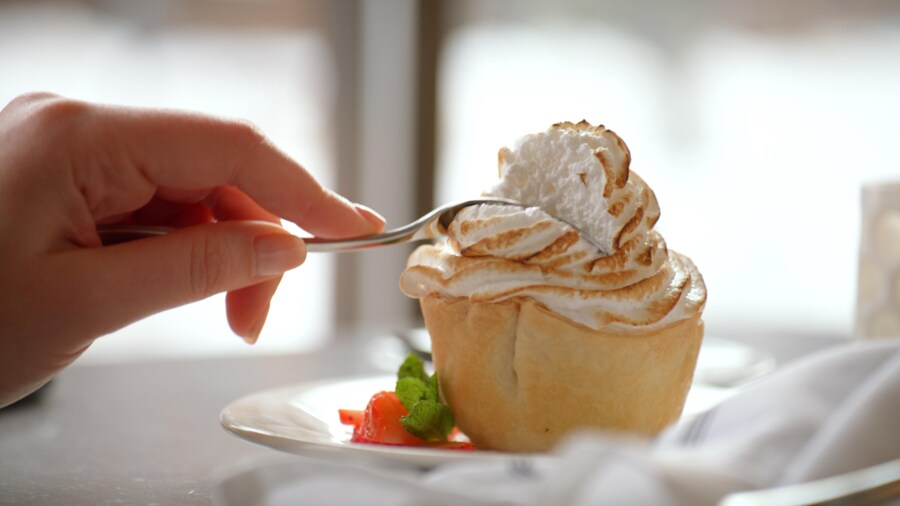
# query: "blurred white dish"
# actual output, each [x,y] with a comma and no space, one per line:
[725,363]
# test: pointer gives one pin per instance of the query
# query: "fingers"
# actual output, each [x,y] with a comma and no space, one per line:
[88,164]
[189,152]
[132,280]
[247,308]
[161,212]
[230,203]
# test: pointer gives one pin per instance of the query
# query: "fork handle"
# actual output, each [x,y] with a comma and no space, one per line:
[116,234]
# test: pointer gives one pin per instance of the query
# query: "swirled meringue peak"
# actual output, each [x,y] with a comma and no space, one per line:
[620,276]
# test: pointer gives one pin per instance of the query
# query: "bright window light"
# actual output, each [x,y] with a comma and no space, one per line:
[756,143]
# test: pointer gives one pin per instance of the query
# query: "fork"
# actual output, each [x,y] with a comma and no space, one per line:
[430,226]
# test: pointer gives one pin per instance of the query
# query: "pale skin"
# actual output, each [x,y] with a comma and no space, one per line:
[66,166]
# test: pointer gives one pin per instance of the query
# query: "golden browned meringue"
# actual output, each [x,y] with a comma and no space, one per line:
[579,173]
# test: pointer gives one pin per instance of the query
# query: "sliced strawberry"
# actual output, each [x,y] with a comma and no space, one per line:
[352,417]
[381,422]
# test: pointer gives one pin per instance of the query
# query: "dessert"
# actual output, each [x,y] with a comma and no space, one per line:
[540,327]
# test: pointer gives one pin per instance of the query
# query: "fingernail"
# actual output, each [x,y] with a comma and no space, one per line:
[371,216]
[276,253]
[257,327]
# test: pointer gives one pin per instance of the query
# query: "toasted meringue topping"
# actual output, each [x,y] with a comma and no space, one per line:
[580,174]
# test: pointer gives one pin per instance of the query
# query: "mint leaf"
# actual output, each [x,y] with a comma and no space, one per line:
[428,417]
[412,367]
[429,420]
[410,391]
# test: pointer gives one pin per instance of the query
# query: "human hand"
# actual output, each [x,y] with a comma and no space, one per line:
[66,166]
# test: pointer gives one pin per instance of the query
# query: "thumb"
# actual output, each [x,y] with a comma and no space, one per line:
[132,280]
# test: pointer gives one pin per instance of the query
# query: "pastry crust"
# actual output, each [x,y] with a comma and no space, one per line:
[519,377]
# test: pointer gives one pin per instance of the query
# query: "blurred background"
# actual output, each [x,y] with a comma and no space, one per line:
[756,122]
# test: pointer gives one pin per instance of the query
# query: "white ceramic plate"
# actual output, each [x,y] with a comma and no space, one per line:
[303,419]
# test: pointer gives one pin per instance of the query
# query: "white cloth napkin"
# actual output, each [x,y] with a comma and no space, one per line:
[830,413]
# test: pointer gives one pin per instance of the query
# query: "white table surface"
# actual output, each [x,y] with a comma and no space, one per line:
[148,433]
